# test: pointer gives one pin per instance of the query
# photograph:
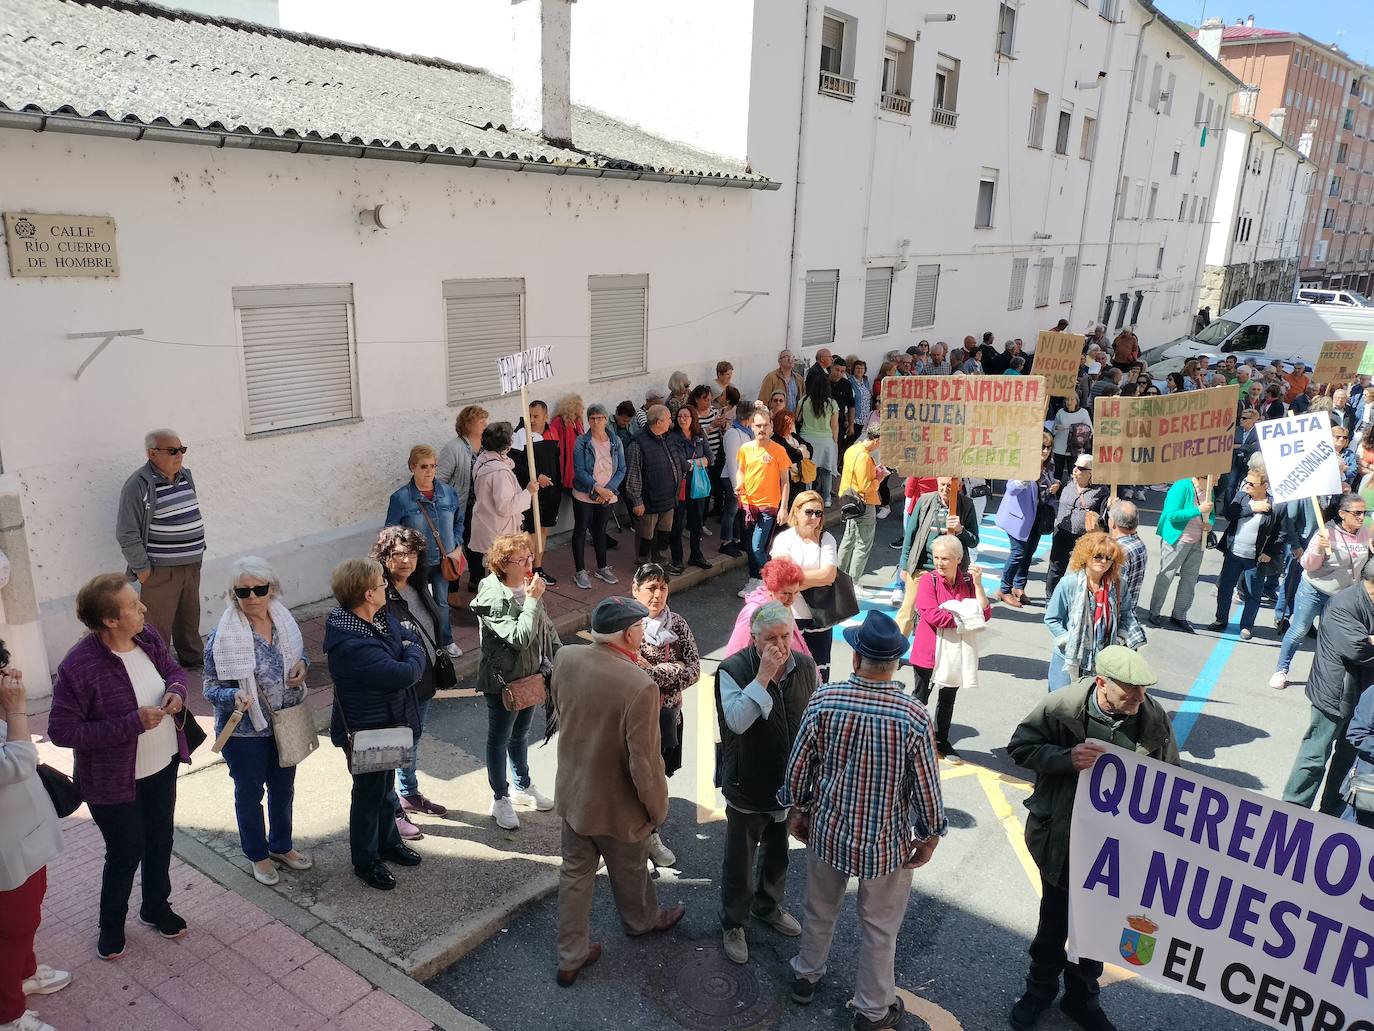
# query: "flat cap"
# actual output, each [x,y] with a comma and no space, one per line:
[612,615]
[1125,666]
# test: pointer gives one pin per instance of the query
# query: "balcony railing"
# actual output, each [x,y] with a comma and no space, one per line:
[833,85]
[939,116]
[896,103]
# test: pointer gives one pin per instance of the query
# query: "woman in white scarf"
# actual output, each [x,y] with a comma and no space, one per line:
[255,662]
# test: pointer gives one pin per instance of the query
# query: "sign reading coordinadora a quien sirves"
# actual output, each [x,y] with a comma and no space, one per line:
[963,425]
[1251,903]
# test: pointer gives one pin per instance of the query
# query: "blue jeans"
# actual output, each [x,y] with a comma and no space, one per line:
[1287,589]
[506,734]
[440,586]
[759,533]
[1017,570]
[1059,674]
[1245,572]
[253,765]
[1307,606]
[407,779]
[897,584]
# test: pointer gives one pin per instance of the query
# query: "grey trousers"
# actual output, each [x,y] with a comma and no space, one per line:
[1182,561]
[882,905]
[627,865]
[857,543]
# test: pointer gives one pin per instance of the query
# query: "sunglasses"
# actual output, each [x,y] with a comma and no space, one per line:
[1099,557]
[261,590]
[814,513]
[173,451]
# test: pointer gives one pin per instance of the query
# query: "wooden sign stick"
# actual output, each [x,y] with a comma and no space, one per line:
[230,725]
[1317,511]
[529,457]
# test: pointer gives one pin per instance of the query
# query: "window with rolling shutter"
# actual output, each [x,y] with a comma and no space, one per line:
[818,315]
[877,300]
[1042,282]
[927,291]
[619,326]
[298,355]
[1069,283]
[1017,294]
[484,320]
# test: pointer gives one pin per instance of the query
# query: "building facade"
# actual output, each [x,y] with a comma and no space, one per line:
[1328,100]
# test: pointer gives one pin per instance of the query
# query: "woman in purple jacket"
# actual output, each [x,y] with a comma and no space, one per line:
[119,703]
[1018,517]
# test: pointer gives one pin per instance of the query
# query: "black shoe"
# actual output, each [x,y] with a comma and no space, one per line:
[611,542]
[1312,632]
[1152,618]
[377,876]
[676,568]
[1216,625]
[1281,627]
[401,855]
[892,1018]
[732,549]
[539,572]
[168,924]
[1026,1011]
[946,751]
[803,991]
[1087,1015]
[896,545]
[110,945]
[700,561]
[1182,624]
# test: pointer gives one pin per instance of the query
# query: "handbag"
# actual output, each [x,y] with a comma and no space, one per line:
[375,751]
[851,505]
[701,483]
[61,789]
[524,693]
[833,603]
[195,733]
[444,673]
[451,568]
[1359,793]
[807,472]
[295,734]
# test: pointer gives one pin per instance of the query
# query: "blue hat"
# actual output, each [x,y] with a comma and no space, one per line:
[877,637]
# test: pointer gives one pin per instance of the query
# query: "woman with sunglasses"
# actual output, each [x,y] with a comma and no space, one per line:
[1026,513]
[1085,614]
[1331,563]
[807,543]
[255,662]
[1251,550]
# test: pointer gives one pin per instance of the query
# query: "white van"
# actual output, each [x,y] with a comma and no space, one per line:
[1343,298]
[1265,331]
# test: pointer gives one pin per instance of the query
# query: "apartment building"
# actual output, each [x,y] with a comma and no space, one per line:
[1328,100]
[1253,250]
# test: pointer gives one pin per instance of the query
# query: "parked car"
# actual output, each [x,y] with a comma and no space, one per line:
[1267,330]
[1343,298]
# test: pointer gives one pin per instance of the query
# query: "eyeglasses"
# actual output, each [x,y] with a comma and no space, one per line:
[173,451]
[1101,557]
[261,590]
[1360,514]
[814,513]
[378,587]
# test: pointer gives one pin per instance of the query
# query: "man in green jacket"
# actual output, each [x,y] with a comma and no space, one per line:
[1184,523]
[1059,740]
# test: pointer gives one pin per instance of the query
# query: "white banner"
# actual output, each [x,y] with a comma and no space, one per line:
[1299,456]
[525,367]
[1250,903]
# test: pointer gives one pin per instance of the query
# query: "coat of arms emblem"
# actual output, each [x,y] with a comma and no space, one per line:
[1138,941]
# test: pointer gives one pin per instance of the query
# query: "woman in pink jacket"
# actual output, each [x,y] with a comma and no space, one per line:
[499,502]
[782,582]
[946,583]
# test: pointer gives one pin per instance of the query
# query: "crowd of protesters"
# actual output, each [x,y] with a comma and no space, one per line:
[693,462]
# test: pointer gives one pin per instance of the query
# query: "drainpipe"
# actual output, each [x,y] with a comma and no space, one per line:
[799,188]
[1121,162]
[873,153]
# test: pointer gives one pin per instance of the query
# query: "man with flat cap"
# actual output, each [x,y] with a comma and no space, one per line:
[864,781]
[611,789]
[1061,738]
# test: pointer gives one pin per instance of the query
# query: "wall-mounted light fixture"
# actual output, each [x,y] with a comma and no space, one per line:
[381,216]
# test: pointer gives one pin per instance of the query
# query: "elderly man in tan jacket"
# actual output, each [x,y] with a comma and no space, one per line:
[611,789]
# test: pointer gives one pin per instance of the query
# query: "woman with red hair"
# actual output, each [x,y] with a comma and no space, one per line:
[782,582]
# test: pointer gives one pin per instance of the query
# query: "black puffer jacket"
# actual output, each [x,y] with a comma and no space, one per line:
[1343,665]
[374,667]
[654,469]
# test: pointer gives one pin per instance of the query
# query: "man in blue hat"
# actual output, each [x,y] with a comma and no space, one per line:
[869,807]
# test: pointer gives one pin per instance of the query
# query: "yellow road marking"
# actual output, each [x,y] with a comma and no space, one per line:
[705,731]
[939,1018]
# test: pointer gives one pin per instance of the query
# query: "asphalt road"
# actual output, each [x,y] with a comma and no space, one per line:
[962,952]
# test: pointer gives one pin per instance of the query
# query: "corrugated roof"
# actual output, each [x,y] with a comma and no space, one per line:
[126,67]
[1239,32]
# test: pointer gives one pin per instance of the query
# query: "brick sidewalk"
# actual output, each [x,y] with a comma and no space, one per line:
[237,968]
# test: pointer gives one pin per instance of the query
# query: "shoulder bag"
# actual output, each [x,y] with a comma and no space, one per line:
[376,751]
[451,568]
[294,731]
[195,733]
[832,603]
[61,789]
[524,693]
[445,675]
[1360,792]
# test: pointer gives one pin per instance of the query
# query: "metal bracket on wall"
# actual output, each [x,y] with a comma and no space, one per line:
[751,295]
[104,336]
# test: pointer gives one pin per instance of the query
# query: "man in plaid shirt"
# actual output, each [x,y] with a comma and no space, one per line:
[864,784]
[1124,520]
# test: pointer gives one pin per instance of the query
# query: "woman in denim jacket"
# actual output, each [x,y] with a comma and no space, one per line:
[426,500]
[598,462]
[1085,614]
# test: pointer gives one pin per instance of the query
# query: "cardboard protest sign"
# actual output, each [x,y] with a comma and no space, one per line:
[1139,440]
[1299,457]
[525,367]
[1367,363]
[1339,362]
[1057,357]
[986,426]
[1253,904]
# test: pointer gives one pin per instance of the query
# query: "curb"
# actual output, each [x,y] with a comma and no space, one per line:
[370,967]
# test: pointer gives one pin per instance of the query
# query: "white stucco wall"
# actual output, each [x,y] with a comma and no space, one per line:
[1274,197]
[194,222]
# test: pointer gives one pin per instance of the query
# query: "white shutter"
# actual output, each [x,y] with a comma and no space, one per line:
[1069,284]
[832,33]
[1042,282]
[297,355]
[877,301]
[483,322]
[927,289]
[818,315]
[1017,294]
[619,326]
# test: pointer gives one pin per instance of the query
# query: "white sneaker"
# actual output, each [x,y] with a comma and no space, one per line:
[1278,681]
[706,532]
[29,1021]
[897,596]
[505,814]
[749,586]
[884,511]
[607,575]
[531,797]
[660,853]
[46,980]
[453,650]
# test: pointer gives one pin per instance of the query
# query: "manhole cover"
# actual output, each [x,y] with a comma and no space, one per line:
[702,990]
